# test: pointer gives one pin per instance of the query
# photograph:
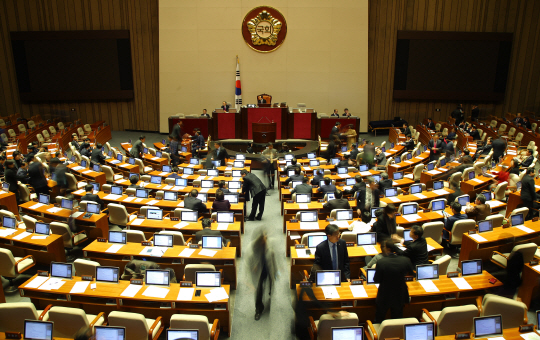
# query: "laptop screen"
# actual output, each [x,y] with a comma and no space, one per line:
[314,162]
[207,184]
[202,196]
[471,267]
[419,331]
[131,161]
[295,183]
[398,175]
[311,155]
[328,278]
[370,276]
[61,270]
[145,150]
[208,279]
[484,226]
[154,214]
[415,189]
[471,175]
[109,333]
[119,157]
[438,185]
[314,240]
[42,228]
[238,164]
[184,334]
[350,181]
[409,155]
[516,219]
[344,148]
[366,239]
[92,208]
[44,199]
[308,216]
[183,149]
[194,161]
[330,196]
[141,193]
[157,277]
[398,159]
[187,171]
[303,198]
[231,197]
[95,186]
[66,204]
[409,209]
[290,173]
[407,235]
[288,157]
[373,210]
[163,240]
[240,156]
[430,166]
[463,200]
[155,179]
[442,162]
[166,168]
[181,182]
[427,272]
[9,222]
[390,192]
[234,184]
[116,190]
[488,195]
[348,333]
[170,195]
[437,205]
[212,242]
[344,215]
[225,217]
[189,216]
[38,330]
[341,170]
[335,161]
[364,167]
[237,173]
[487,326]
[83,163]
[107,274]
[212,172]
[117,237]
[96,168]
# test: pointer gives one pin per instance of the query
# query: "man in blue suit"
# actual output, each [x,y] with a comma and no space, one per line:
[332,254]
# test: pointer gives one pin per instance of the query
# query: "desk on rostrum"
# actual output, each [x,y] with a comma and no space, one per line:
[448,295]
[224,259]
[107,298]
[44,251]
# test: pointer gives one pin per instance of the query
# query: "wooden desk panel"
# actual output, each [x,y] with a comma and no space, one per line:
[530,282]
[44,251]
[408,164]
[87,174]
[10,201]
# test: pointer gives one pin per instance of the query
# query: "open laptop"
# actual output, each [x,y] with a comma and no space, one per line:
[207,184]
[344,215]
[194,161]
[189,216]
[117,237]
[485,226]
[516,220]
[225,217]
[350,181]
[61,270]
[109,332]
[488,326]
[303,198]
[163,240]
[166,168]
[314,240]
[212,242]
[9,222]
[314,162]
[342,170]
[208,279]
[141,193]
[38,330]
[170,195]
[437,205]
[92,208]
[212,172]
[157,277]
[234,184]
[330,196]
[309,219]
[463,200]
[311,155]
[471,267]
[363,167]
[398,175]
[237,173]
[415,189]
[427,272]
[488,195]
[370,276]
[202,196]
[107,274]
[430,166]
[328,278]
[373,211]
[419,331]
[288,157]
[471,175]
[154,214]
[438,185]
[398,159]
[335,161]
[295,183]
[240,157]
[407,235]
[349,333]
[181,182]
[184,334]
[44,199]
[42,228]
[390,192]
[155,179]
[187,171]
[232,197]
[409,209]
[366,239]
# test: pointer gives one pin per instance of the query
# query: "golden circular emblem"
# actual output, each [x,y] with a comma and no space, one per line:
[264,29]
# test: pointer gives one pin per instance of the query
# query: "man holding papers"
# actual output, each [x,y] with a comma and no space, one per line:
[415,250]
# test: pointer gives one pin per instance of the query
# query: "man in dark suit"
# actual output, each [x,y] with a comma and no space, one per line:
[37,179]
[451,134]
[430,125]
[97,156]
[457,114]
[474,133]
[369,196]
[220,154]
[528,192]
[318,176]
[386,226]
[198,142]
[406,130]
[390,273]
[207,231]
[193,203]
[327,186]
[416,250]
[456,186]
[354,152]
[175,173]
[332,254]
[409,143]
[261,100]
[89,196]
[450,220]
[335,113]
[380,160]
[369,154]
[205,114]
[385,182]
[221,185]
[137,148]
[518,120]
[177,133]
[475,112]
[338,203]
[435,147]
[528,160]
[359,185]
[294,165]
[225,106]
[499,147]
[86,151]
[11,177]
[253,185]
[296,177]
[344,162]
[480,210]
[526,123]
[335,130]
[346,113]
[484,150]
[75,142]
[303,188]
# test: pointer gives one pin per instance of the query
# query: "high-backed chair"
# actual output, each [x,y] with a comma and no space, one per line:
[13,314]
[12,134]
[526,249]
[22,128]
[87,129]
[118,214]
[143,169]
[417,173]
[109,174]
[518,138]
[465,176]
[68,321]
[85,267]
[497,220]
[60,126]
[178,237]
[136,236]
[514,313]
[137,326]
[11,267]
[207,331]
[390,328]
[322,328]
[522,210]
[71,240]
[191,269]
[80,131]
[52,130]
[349,236]
[500,190]
[433,230]
[452,319]
[443,262]
[304,239]
[460,227]
[455,177]
[24,193]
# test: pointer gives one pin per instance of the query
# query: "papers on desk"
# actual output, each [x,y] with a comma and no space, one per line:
[441,192]
[116,161]
[304,206]
[79,287]
[443,169]
[478,237]
[181,204]
[185,176]
[37,205]
[217,294]
[394,199]
[185,294]
[153,251]
[537,268]
[434,172]
[152,202]
[52,284]
[131,290]
[347,187]
[222,226]
[21,235]
[302,253]
[37,281]
[6,232]
[394,165]
[129,199]
[191,166]
[208,252]
[387,154]
[187,252]
[358,291]
[114,248]
[393,150]
[370,250]
[112,197]
[525,229]
[494,203]
[330,292]
[420,196]
[124,165]
[138,200]
[154,158]
[477,180]
[411,217]
[77,214]
[345,175]
[54,210]
[181,225]
[461,283]
[167,187]
[341,224]
[430,248]
[395,183]
[530,336]
[87,171]
[428,286]
[156,292]
[419,158]
[309,225]
[409,162]
[204,190]
[307,168]
[77,168]
[365,173]
[137,221]
[39,237]
[360,227]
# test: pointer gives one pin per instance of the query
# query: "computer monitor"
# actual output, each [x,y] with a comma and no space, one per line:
[328,278]
[43,228]
[288,157]
[9,222]
[181,182]
[238,164]
[95,186]
[366,239]
[342,170]
[350,333]
[314,162]
[390,192]
[350,181]
[442,162]
[131,161]
[344,215]
[430,166]
[398,175]
[330,196]
[188,171]
[471,174]
[61,270]
[485,226]
[437,205]
[438,185]
[419,331]
[488,326]
[519,185]
[335,161]
[290,173]
[96,168]
[194,161]
[189,216]
[418,152]
[376,178]
[373,210]
[107,274]
[154,214]
[212,172]
[38,330]
[471,267]
[155,179]
[202,196]
[311,155]
[83,163]
[66,204]
[117,237]
[314,240]
[5,186]
[163,240]
[427,272]
[363,167]
[184,334]
[234,184]
[303,198]
[141,193]
[207,184]
[295,183]
[409,155]
[487,195]
[237,173]
[212,242]
[170,195]
[208,279]
[92,208]
[225,217]
[383,149]
[516,219]
[116,190]
[157,277]
[398,159]
[232,197]
[344,148]
[407,235]
[463,200]
[44,199]
[415,189]
[145,150]
[109,333]
[308,216]
[159,154]
[409,209]
[119,157]
[166,168]
[370,273]
[183,149]
[240,157]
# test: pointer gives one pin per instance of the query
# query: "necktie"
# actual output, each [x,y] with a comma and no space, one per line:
[334,257]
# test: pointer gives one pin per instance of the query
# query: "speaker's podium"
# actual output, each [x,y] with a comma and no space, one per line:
[264,132]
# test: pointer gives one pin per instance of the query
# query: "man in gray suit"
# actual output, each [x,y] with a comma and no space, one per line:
[253,185]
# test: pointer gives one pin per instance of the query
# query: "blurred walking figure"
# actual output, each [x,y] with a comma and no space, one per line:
[262,264]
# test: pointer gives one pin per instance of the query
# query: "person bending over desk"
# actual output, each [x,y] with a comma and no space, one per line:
[386,227]
[137,148]
[332,254]
[193,203]
[338,203]
[415,250]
